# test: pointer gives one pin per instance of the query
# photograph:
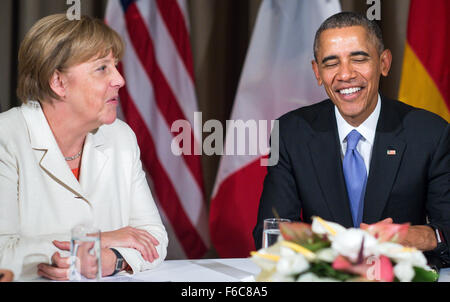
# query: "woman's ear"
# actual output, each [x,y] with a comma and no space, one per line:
[57,84]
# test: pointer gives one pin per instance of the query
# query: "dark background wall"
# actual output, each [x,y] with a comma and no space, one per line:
[220,34]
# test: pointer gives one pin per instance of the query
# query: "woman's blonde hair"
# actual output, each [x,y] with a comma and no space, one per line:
[57,43]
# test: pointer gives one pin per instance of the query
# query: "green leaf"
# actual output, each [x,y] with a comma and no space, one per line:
[423,275]
[316,246]
[325,270]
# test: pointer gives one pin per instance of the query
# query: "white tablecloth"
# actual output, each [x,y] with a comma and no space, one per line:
[206,270]
[444,275]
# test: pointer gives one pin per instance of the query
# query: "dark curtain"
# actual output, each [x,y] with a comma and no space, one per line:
[220,34]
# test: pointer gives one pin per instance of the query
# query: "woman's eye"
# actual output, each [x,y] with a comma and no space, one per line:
[103,68]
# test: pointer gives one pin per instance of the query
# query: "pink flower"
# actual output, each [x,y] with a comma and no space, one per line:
[296,231]
[385,231]
[372,268]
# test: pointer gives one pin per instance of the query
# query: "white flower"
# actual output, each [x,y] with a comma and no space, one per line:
[294,264]
[404,271]
[286,252]
[399,253]
[348,243]
[264,264]
[327,255]
[323,227]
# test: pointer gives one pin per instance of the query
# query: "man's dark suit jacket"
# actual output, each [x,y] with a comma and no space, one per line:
[308,180]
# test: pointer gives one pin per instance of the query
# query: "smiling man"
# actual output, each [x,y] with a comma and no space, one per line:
[348,64]
[359,157]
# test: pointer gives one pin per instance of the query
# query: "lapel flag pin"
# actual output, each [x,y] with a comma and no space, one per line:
[391,152]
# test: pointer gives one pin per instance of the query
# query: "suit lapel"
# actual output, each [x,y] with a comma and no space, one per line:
[46,149]
[93,162]
[326,158]
[55,166]
[387,154]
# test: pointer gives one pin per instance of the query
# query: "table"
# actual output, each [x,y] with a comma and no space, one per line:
[444,275]
[205,270]
[208,270]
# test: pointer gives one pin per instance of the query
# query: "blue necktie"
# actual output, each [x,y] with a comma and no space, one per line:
[355,177]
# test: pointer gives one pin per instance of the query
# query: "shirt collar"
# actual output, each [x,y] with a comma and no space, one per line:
[367,129]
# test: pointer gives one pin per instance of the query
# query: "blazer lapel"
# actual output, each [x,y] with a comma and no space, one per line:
[47,151]
[387,154]
[93,161]
[326,158]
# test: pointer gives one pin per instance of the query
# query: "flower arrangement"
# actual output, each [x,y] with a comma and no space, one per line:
[326,251]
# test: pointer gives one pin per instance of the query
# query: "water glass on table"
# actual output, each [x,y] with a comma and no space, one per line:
[271,231]
[85,254]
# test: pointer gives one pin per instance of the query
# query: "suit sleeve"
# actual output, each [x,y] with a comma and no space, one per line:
[143,215]
[280,195]
[438,199]
[18,253]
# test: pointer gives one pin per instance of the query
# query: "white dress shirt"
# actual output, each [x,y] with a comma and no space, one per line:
[367,129]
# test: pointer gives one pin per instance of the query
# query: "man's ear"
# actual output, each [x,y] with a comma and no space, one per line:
[315,68]
[57,84]
[386,62]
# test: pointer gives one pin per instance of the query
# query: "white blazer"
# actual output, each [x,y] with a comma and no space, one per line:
[41,200]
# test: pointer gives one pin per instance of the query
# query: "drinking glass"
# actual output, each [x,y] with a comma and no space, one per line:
[85,254]
[272,231]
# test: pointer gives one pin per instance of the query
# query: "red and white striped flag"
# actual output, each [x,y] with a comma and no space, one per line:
[158,69]
[277,77]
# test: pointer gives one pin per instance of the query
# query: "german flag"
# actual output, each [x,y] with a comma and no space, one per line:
[425,79]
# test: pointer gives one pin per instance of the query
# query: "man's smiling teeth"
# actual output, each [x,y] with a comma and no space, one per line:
[350,90]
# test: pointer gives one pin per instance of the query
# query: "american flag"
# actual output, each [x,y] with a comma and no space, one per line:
[391,152]
[158,69]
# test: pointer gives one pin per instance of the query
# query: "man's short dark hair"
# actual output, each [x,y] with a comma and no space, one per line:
[347,19]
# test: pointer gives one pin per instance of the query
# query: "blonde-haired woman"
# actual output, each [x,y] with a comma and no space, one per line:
[66,160]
